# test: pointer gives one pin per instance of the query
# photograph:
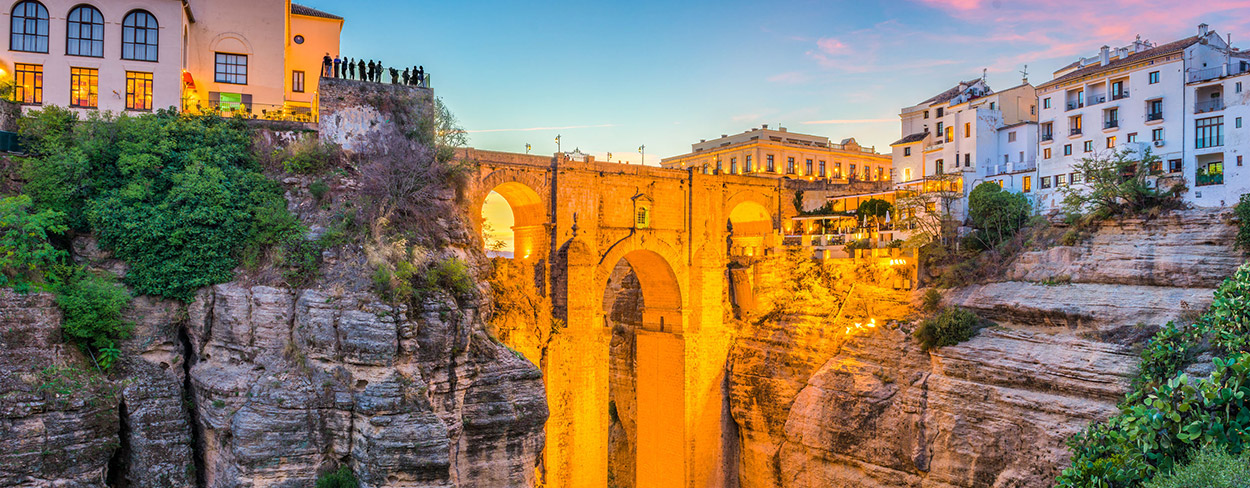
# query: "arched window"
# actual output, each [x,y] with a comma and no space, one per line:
[85,36]
[139,36]
[29,31]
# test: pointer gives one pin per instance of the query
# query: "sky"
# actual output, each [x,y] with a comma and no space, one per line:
[610,76]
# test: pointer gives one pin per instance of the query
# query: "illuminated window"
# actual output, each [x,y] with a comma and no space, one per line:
[231,68]
[297,81]
[85,35]
[138,91]
[772,166]
[837,170]
[1074,178]
[1028,184]
[790,166]
[907,174]
[808,170]
[851,173]
[950,134]
[29,28]
[748,166]
[84,87]
[140,36]
[1061,180]
[733,166]
[1046,153]
[967,129]
[28,84]
[1111,142]
[822,170]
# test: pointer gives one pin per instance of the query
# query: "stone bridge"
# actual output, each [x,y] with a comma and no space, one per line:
[578,222]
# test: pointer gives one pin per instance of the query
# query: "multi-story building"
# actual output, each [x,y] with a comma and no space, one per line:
[781,153]
[971,131]
[152,54]
[1137,97]
[1217,109]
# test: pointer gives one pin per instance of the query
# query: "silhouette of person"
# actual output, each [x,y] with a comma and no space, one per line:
[372,68]
[394,76]
[361,62]
[407,76]
[421,76]
[325,65]
[337,64]
[351,69]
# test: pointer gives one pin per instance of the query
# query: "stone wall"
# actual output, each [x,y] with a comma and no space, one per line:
[352,113]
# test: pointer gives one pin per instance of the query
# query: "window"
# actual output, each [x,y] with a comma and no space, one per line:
[1048,131]
[1061,180]
[139,37]
[84,87]
[1006,158]
[772,166]
[1046,153]
[1153,77]
[837,170]
[939,163]
[28,84]
[1211,173]
[1117,90]
[967,159]
[1238,160]
[1156,135]
[29,30]
[1113,119]
[297,81]
[1032,109]
[1067,149]
[1074,178]
[1154,110]
[1045,182]
[1175,166]
[906,174]
[85,36]
[907,151]
[926,114]
[232,68]
[643,218]
[1021,156]
[1046,102]
[939,111]
[950,134]
[1028,184]
[1132,137]
[1075,124]
[733,166]
[808,169]
[789,166]
[939,129]
[1237,122]
[1237,88]
[1011,136]
[867,172]
[851,173]
[748,163]
[822,170]
[967,129]
[1089,146]
[1209,132]
[881,173]
[720,166]
[138,91]
[1111,142]
[991,105]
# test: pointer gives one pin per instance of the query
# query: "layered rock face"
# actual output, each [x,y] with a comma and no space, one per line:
[818,407]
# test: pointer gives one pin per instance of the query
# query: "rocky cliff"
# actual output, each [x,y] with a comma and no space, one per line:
[819,407]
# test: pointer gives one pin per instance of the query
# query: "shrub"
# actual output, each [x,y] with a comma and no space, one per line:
[318,189]
[1119,183]
[952,326]
[1242,210]
[996,214]
[451,275]
[25,250]
[310,156]
[1209,467]
[92,306]
[343,478]
[931,301]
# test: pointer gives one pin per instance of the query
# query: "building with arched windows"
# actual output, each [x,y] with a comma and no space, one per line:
[142,55]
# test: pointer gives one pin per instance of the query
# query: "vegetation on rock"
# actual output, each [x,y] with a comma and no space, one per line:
[1168,414]
[26,250]
[996,214]
[1210,467]
[343,478]
[949,327]
[1242,210]
[1120,183]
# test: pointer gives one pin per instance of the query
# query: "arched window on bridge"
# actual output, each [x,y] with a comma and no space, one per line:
[642,212]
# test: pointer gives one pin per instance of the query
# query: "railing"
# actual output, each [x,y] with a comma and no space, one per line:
[1208,179]
[1013,167]
[1119,96]
[1048,137]
[1097,100]
[1075,131]
[1209,106]
[1212,141]
[1111,124]
[1075,105]
[1204,74]
[258,111]
[1154,116]
[934,145]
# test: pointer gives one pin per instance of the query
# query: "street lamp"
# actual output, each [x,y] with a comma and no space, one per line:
[643,151]
[527,148]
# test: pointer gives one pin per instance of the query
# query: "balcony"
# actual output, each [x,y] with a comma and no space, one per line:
[1202,179]
[1075,132]
[1213,105]
[1096,99]
[1075,105]
[1154,116]
[1119,96]
[1206,74]
[1047,137]
[1111,124]
[936,144]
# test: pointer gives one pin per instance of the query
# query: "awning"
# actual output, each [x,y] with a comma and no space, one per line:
[187,80]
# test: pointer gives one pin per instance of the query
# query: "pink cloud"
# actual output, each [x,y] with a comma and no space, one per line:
[954,4]
[830,45]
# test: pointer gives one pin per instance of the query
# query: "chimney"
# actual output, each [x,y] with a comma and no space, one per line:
[722,136]
[765,126]
[1202,30]
[1104,55]
[783,129]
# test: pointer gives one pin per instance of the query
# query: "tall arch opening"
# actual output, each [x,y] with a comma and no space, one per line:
[749,224]
[512,222]
[646,421]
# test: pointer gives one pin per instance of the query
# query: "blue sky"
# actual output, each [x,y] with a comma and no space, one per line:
[610,76]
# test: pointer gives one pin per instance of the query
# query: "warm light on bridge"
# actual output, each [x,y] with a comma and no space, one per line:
[872,324]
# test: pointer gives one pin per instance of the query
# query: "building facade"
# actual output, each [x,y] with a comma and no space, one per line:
[1217,108]
[1167,99]
[970,131]
[154,54]
[781,153]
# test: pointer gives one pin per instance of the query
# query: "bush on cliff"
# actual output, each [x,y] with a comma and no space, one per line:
[26,250]
[1168,413]
[175,196]
[1211,467]
[343,478]
[996,214]
[1121,183]
[1242,210]
[92,305]
[952,326]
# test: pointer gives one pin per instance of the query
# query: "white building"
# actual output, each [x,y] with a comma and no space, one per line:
[1217,109]
[1137,96]
[973,131]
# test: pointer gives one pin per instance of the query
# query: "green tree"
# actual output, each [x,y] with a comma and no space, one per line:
[997,214]
[1120,182]
[875,208]
[25,249]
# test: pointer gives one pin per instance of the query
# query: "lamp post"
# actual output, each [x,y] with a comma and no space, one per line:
[643,151]
[527,148]
[558,144]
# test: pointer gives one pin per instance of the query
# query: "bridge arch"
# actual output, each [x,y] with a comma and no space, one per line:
[749,216]
[526,196]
